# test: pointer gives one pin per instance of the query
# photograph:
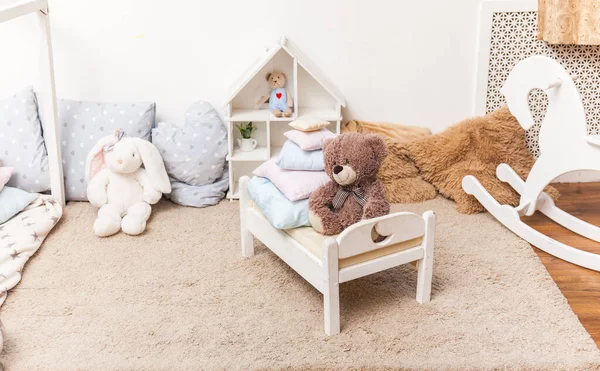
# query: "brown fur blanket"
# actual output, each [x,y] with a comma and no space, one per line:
[419,164]
[398,172]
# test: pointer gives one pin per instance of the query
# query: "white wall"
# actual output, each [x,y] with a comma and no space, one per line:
[403,61]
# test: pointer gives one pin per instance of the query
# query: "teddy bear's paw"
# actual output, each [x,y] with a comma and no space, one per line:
[287,112]
[277,113]
[315,221]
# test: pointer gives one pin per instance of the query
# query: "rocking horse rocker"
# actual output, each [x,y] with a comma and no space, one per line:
[564,147]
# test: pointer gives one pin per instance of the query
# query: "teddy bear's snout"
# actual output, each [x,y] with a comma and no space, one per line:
[337,169]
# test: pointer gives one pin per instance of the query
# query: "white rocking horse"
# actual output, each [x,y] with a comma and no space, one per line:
[564,147]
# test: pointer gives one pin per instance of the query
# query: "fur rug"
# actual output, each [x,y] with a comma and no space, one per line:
[398,172]
[419,163]
[475,146]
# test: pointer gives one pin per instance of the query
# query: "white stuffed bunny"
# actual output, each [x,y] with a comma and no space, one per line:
[120,187]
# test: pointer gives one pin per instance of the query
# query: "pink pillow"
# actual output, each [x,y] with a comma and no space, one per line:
[295,185]
[309,141]
[5,173]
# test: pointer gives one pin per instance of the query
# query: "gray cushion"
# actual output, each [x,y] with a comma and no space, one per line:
[194,154]
[199,196]
[21,142]
[83,123]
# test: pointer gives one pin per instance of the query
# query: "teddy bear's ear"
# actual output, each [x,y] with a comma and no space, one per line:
[268,76]
[283,74]
[378,145]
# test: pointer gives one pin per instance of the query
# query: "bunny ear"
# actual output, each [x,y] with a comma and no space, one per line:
[154,165]
[95,158]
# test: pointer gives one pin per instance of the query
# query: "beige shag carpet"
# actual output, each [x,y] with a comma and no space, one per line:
[182,297]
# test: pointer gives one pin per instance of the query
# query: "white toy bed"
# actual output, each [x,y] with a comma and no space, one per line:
[327,261]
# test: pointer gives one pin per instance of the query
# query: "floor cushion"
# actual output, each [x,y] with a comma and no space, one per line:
[195,153]
[5,174]
[82,123]
[13,200]
[21,143]
[475,146]
[200,195]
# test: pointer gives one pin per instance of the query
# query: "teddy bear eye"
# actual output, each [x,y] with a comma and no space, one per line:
[133,154]
[347,161]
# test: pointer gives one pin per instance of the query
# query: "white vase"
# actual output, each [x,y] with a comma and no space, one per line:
[247,145]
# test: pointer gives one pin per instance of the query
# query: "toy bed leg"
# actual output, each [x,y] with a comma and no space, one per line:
[247,239]
[331,288]
[425,265]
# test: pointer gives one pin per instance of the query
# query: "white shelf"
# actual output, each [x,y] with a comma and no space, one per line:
[259,154]
[235,193]
[11,9]
[243,114]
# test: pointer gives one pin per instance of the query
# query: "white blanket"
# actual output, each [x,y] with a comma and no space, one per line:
[21,237]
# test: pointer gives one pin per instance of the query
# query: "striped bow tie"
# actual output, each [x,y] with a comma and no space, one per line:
[119,134]
[343,193]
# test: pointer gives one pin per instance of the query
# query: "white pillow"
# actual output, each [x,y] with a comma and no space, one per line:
[295,185]
[309,141]
[308,125]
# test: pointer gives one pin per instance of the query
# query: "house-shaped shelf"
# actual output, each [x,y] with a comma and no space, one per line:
[313,96]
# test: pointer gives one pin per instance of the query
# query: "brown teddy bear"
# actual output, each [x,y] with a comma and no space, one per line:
[280,101]
[352,161]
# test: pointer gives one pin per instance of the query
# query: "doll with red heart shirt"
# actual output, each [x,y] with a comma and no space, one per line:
[280,101]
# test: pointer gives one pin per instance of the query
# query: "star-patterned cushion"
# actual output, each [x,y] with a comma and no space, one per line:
[195,153]
[82,123]
[21,143]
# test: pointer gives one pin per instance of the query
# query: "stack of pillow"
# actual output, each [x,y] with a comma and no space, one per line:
[282,185]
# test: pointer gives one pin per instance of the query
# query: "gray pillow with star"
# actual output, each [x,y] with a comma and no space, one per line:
[21,143]
[82,123]
[195,153]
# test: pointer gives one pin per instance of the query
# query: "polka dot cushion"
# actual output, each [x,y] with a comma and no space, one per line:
[195,153]
[81,124]
[21,143]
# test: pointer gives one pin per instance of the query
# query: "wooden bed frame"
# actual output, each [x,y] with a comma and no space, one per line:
[324,273]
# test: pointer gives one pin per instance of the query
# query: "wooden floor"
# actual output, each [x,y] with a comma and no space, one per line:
[580,286]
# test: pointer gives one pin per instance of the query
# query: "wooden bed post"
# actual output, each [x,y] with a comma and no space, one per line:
[246,237]
[48,90]
[331,288]
[425,265]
